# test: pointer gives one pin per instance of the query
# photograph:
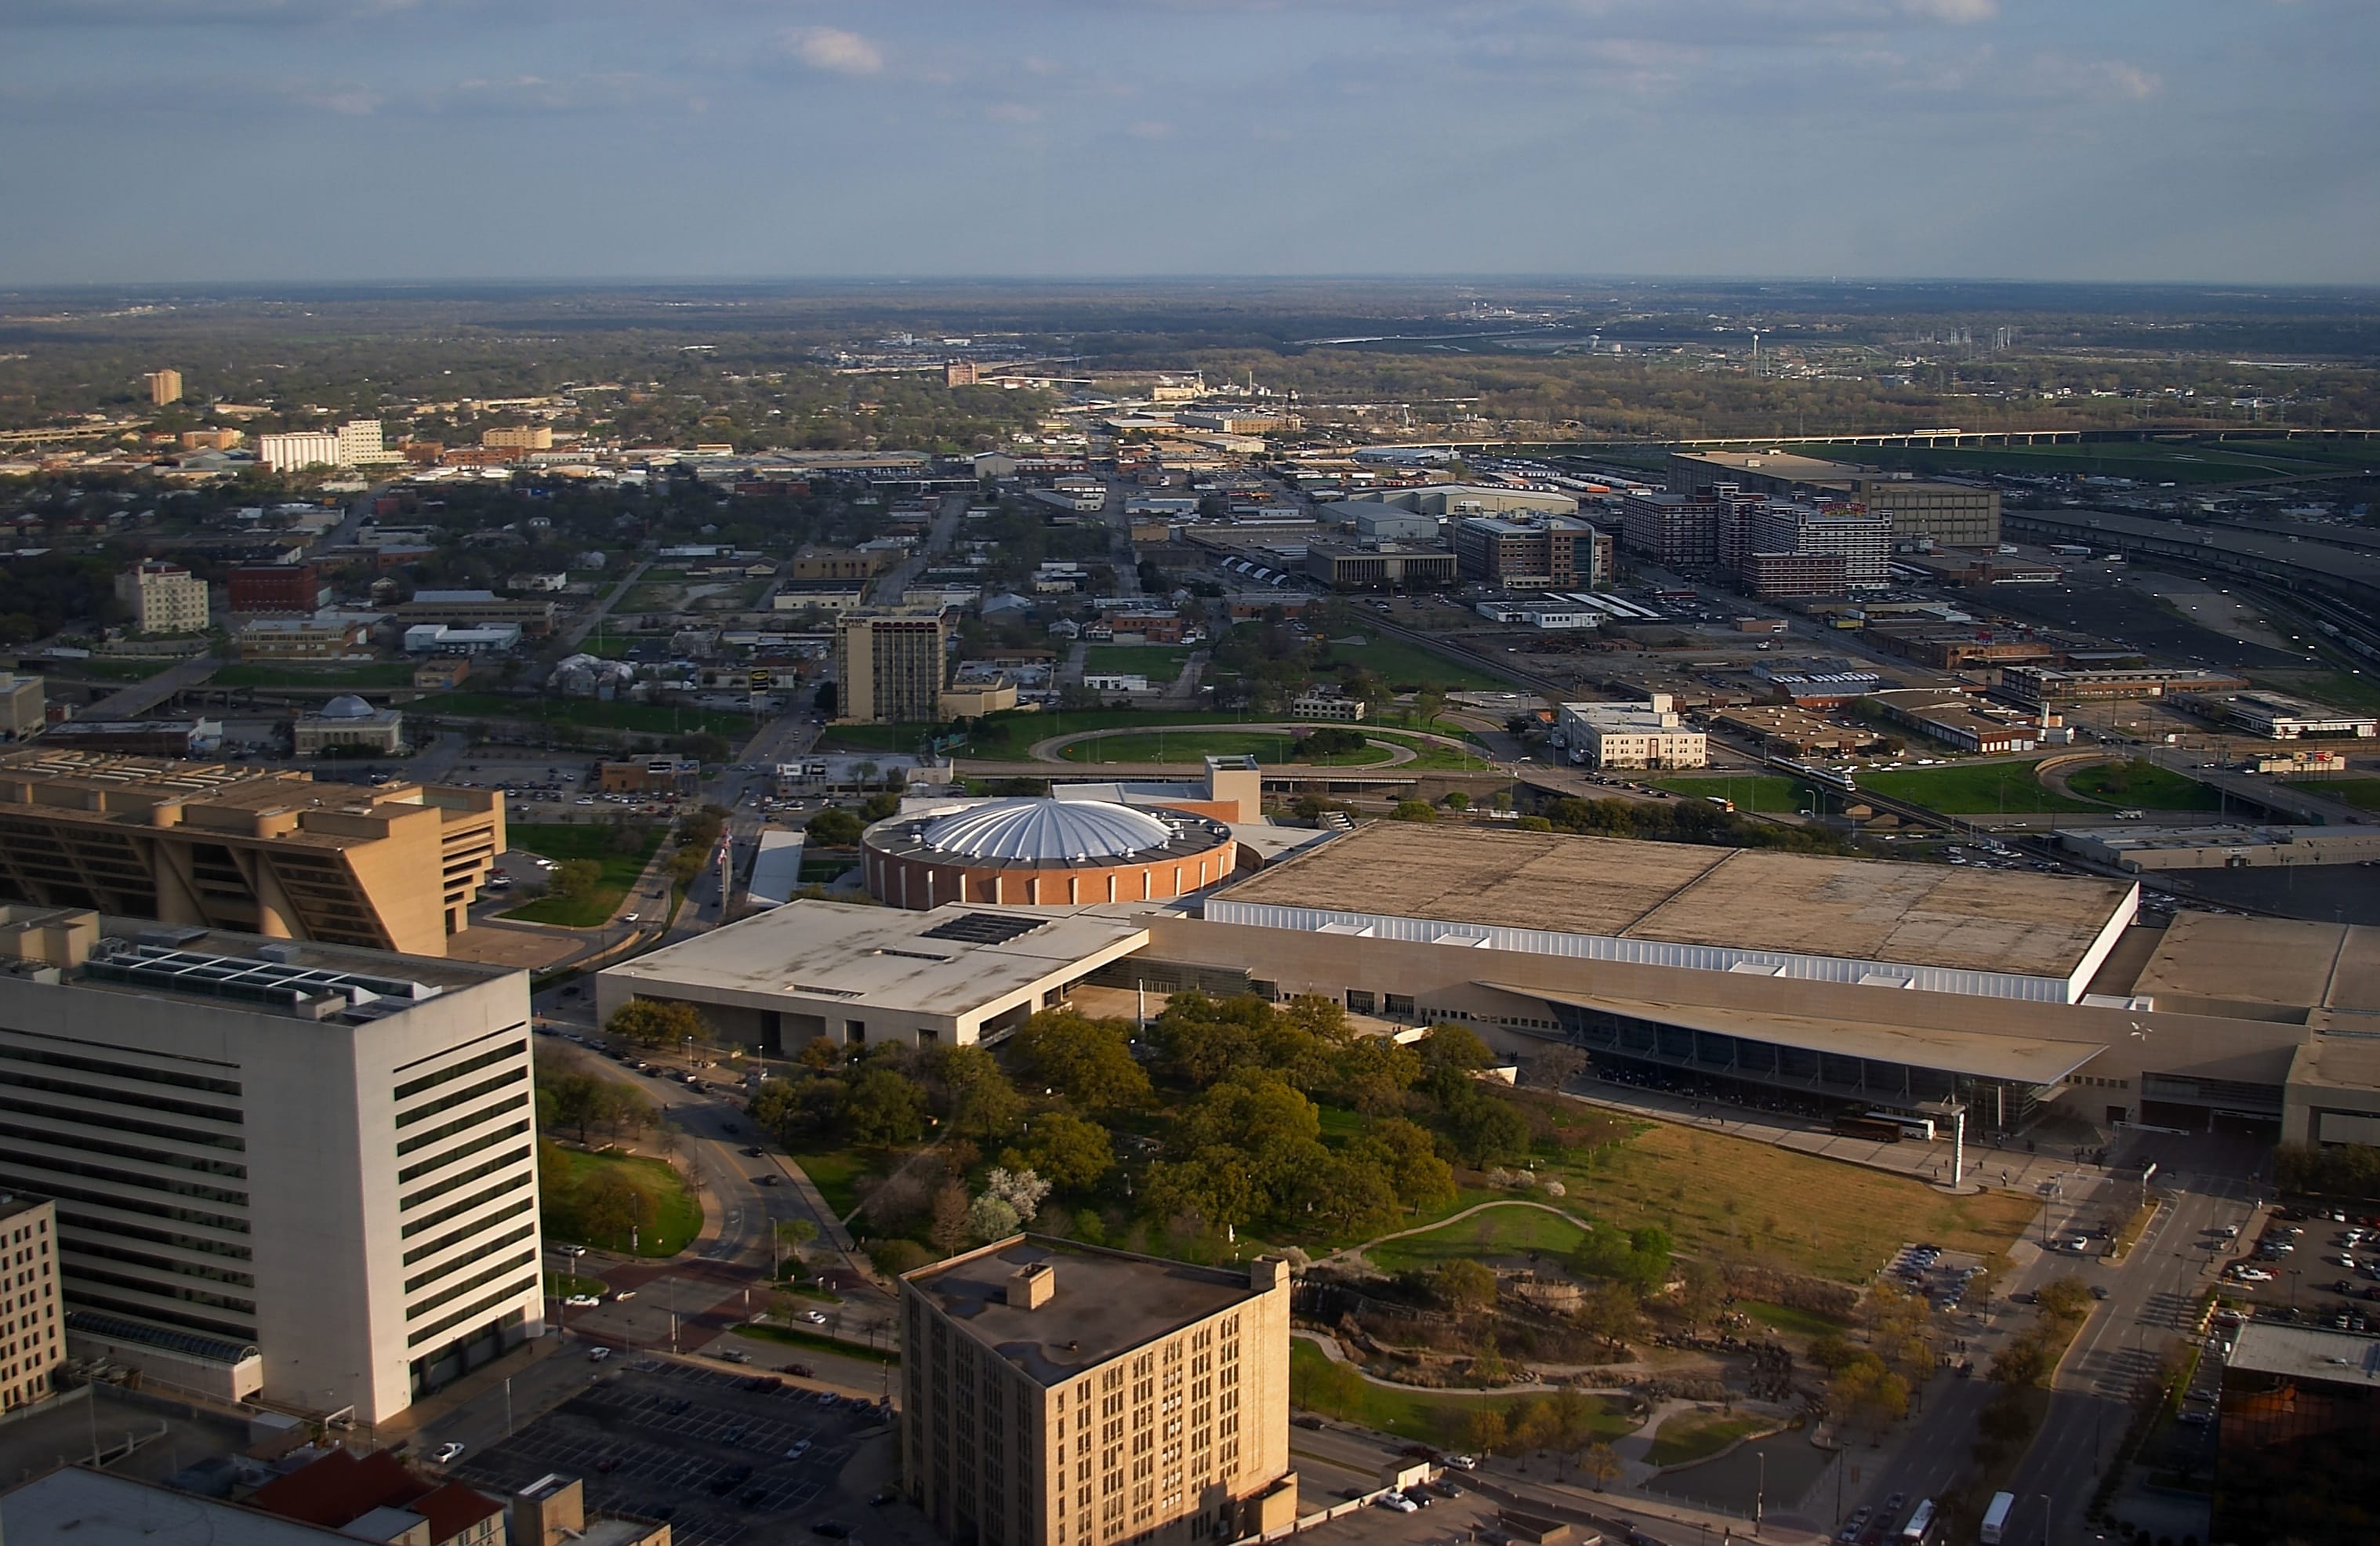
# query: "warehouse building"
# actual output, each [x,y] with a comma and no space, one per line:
[2280,717]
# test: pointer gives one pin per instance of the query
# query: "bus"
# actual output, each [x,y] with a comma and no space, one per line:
[1996,1518]
[1918,1127]
[1919,1531]
[1867,1127]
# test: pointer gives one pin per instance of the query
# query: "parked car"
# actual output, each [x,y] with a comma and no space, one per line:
[446,1453]
[597,1355]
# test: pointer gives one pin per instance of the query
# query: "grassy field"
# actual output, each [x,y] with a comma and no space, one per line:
[1432,757]
[1408,667]
[678,1215]
[278,673]
[1192,745]
[2362,793]
[1159,663]
[651,718]
[1691,1436]
[1973,789]
[1768,792]
[813,1343]
[559,1285]
[1785,1318]
[1513,1232]
[1334,1389]
[836,1173]
[561,842]
[2144,461]
[2145,785]
[1719,1196]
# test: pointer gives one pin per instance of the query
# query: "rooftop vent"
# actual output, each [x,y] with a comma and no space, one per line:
[1029,1286]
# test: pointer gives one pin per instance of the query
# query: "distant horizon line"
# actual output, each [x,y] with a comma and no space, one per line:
[880,282]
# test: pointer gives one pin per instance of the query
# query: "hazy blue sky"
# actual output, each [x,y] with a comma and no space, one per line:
[171,139]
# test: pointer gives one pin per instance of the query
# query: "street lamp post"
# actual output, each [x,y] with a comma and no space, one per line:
[1760,1494]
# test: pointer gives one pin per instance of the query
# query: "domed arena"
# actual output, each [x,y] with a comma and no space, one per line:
[1045,853]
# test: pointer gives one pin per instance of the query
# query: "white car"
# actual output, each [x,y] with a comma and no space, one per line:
[446,1453]
[597,1355]
[814,1317]
[1400,1503]
[801,1447]
[582,1301]
[572,1250]
[2254,1274]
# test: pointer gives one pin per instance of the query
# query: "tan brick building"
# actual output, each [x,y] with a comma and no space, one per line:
[33,1326]
[1058,1395]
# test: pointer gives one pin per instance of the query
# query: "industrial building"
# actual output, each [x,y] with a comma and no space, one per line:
[650,775]
[1956,720]
[298,1171]
[1060,1395]
[1545,553]
[2035,686]
[1388,566]
[272,853]
[2277,716]
[890,666]
[2221,847]
[1648,735]
[33,1316]
[1950,514]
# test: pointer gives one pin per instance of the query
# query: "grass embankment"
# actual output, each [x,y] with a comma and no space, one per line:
[560,1286]
[1691,1436]
[1193,745]
[1337,1390]
[1785,1318]
[816,1343]
[1498,1233]
[1159,663]
[836,1173]
[1974,789]
[1409,668]
[563,841]
[2144,786]
[1719,1196]
[1750,792]
[273,674]
[2362,793]
[572,1174]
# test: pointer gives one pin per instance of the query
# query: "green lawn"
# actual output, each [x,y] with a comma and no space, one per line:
[815,1343]
[1433,756]
[1159,663]
[1514,1231]
[1720,1196]
[2145,785]
[276,673]
[1689,1436]
[1409,666]
[836,1173]
[1335,1389]
[650,719]
[676,1214]
[1973,789]
[1785,1318]
[1752,792]
[564,841]
[563,1284]
[1193,745]
[2362,793]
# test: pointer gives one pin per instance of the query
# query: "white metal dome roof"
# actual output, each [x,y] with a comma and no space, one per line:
[1055,831]
[346,706]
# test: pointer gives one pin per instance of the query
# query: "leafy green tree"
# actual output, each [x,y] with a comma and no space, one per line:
[1071,1154]
[880,808]
[1373,1073]
[1089,1062]
[574,878]
[1414,810]
[883,1108]
[1464,1286]
[1404,1155]
[658,1022]
[833,828]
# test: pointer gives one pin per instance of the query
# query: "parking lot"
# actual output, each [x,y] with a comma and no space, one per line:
[698,1448]
[2320,1268]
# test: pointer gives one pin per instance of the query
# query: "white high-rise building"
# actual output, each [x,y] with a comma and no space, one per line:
[361,445]
[165,598]
[301,1170]
[299,448]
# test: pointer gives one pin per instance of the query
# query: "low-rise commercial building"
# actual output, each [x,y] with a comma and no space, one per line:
[300,639]
[650,775]
[1956,720]
[24,709]
[164,598]
[2035,686]
[1388,566]
[334,1204]
[2221,847]
[214,846]
[1327,705]
[477,609]
[292,589]
[2277,716]
[1631,736]
[1783,727]
[1137,1399]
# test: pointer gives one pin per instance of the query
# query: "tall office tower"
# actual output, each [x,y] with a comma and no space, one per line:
[165,598]
[890,666]
[165,386]
[1058,1395]
[298,1170]
[32,1335]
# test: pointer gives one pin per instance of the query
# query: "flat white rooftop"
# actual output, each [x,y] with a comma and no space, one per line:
[946,963]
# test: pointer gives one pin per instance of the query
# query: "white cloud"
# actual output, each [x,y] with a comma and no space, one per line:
[1962,12]
[1013,112]
[832,49]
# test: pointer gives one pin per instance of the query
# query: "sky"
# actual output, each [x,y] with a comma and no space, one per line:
[255,140]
